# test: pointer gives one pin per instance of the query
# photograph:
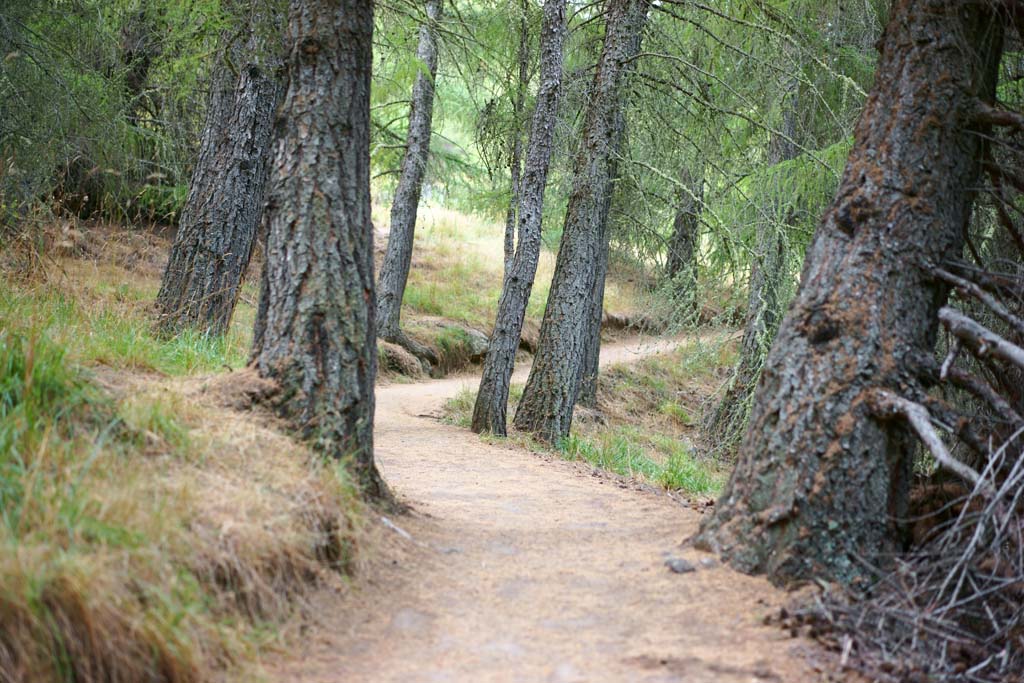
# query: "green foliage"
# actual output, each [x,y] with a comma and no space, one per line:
[119,336]
[627,452]
[101,103]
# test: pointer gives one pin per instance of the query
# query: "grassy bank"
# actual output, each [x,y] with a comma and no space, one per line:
[151,531]
[647,423]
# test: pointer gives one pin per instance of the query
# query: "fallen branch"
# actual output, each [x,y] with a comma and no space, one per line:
[966,287]
[887,405]
[983,339]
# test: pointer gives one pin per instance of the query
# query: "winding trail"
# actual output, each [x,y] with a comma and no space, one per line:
[522,568]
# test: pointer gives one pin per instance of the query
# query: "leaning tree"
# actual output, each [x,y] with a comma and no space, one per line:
[489,411]
[823,473]
[217,229]
[394,271]
[315,333]
[767,278]
[549,397]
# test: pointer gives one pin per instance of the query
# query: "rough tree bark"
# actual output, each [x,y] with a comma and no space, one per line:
[515,165]
[590,365]
[222,213]
[551,391]
[489,412]
[764,307]
[681,256]
[394,271]
[314,332]
[820,480]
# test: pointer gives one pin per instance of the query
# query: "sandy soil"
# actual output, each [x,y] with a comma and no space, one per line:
[525,568]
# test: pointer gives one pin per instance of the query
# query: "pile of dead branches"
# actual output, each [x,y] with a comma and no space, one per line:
[952,609]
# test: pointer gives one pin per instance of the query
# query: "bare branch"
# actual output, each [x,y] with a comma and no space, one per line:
[982,339]
[966,287]
[887,405]
[981,389]
[988,115]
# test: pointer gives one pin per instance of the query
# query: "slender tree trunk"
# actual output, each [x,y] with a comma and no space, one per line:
[821,482]
[315,331]
[551,391]
[590,366]
[764,305]
[394,272]
[224,208]
[489,412]
[516,160]
[140,46]
[681,257]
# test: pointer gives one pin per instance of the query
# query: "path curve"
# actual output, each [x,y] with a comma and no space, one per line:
[529,569]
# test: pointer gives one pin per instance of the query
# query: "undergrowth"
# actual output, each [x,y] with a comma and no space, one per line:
[653,458]
[648,416]
[113,330]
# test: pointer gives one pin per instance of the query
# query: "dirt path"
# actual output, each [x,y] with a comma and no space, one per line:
[522,568]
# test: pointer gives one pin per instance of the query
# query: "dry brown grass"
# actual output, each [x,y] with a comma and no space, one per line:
[208,542]
[153,528]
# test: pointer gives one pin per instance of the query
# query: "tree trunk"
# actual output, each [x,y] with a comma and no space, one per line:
[516,160]
[315,331]
[394,270]
[821,482]
[551,391]
[489,412]
[764,305]
[591,363]
[681,257]
[222,213]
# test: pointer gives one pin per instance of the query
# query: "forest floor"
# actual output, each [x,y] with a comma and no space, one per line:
[517,567]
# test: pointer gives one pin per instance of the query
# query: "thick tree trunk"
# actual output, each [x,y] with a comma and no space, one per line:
[218,224]
[315,331]
[590,365]
[821,482]
[764,305]
[489,412]
[394,272]
[681,256]
[551,391]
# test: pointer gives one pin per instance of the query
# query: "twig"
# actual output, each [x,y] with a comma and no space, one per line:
[981,337]
[888,405]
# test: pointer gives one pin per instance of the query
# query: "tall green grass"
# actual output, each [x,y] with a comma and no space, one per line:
[116,331]
[85,595]
[627,452]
